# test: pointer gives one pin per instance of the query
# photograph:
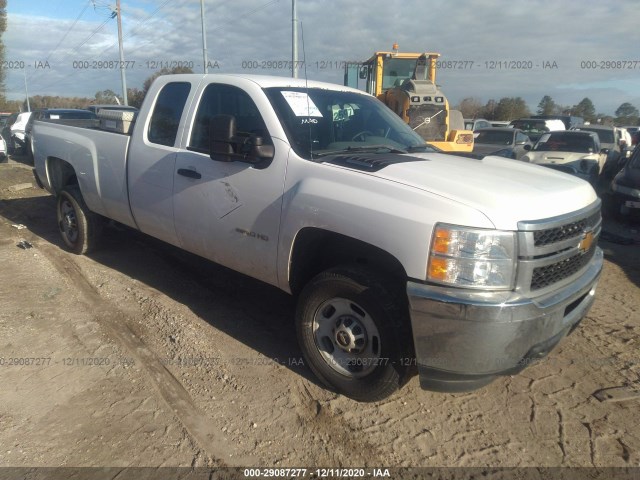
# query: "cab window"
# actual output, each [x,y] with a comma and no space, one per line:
[220,99]
[165,119]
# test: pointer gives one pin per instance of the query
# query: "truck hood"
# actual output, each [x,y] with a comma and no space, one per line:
[505,191]
[559,157]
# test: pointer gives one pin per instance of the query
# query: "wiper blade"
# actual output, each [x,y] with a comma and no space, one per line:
[423,148]
[368,148]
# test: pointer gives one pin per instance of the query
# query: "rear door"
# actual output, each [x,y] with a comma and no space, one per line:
[152,157]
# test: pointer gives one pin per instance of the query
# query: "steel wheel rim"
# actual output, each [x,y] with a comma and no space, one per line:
[346,337]
[68,221]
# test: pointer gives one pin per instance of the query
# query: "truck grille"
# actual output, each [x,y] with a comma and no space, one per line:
[563,232]
[545,276]
[556,249]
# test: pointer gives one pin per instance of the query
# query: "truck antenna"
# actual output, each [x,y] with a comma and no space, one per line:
[306,86]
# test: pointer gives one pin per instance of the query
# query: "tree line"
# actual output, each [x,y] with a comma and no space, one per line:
[135,96]
[510,108]
[507,108]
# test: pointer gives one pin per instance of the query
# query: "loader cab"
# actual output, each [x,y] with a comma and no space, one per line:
[406,83]
[386,70]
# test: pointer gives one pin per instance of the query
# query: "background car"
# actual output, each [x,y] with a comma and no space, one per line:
[510,142]
[569,120]
[631,129]
[17,130]
[624,193]
[6,132]
[3,149]
[500,123]
[476,123]
[625,143]
[4,116]
[610,140]
[575,152]
[535,127]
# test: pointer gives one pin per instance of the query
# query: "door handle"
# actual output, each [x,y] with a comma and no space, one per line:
[185,172]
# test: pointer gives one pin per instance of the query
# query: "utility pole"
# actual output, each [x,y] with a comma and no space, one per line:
[26,90]
[294,40]
[122,76]
[204,38]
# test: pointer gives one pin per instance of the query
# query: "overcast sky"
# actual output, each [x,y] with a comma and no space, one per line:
[502,46]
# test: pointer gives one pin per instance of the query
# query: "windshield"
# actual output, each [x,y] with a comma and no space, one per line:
[495,138]
[319,122]
[396,71]
[565,142]
[605,136]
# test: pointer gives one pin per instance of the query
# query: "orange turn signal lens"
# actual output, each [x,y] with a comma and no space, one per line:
[442,241]
[437,269]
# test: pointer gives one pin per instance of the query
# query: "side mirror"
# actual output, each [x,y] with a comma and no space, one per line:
[363,73]
[226,145]
[222,129]
[527,147]
[254,150]
[605,151]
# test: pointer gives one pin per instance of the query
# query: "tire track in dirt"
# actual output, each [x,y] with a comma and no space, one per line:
[169,388]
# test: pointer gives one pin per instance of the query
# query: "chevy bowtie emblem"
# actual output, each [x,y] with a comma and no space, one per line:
[586,242]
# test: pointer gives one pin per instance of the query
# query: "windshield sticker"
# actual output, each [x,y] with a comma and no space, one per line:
[55,117]
[301,104]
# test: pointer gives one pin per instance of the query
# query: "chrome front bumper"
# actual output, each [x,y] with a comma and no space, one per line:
[465,339]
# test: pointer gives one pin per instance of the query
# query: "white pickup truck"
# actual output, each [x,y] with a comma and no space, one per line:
[402,258]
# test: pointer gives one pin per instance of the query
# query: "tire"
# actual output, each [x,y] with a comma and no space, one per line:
[354,333]
[80,227]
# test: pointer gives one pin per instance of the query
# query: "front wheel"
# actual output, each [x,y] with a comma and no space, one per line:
[354,333]
[79,226]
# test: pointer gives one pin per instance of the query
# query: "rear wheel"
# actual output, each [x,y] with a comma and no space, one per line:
[354,333]
[79,226]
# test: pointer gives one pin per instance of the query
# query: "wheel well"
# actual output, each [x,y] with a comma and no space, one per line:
[61,174]
[316,250]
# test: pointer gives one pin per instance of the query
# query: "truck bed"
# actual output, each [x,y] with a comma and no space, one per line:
[99,158]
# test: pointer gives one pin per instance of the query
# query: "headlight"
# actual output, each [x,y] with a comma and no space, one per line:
[472,258]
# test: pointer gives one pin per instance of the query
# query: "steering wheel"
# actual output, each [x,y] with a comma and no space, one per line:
[361,134]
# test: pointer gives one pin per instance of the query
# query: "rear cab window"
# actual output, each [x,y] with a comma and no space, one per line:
[167,111]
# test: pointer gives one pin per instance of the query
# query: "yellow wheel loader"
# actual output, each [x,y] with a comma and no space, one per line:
[406,83]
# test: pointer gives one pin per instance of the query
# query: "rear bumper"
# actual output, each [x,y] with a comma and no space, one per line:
[464,340]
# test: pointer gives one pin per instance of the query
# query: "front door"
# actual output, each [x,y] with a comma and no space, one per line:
[229,211]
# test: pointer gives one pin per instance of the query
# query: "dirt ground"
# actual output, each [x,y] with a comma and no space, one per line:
[142,355]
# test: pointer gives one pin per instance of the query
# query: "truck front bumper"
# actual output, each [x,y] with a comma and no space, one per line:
[464,340]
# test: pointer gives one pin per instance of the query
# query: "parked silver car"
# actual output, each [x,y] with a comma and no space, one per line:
[576,152]
[504,141]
